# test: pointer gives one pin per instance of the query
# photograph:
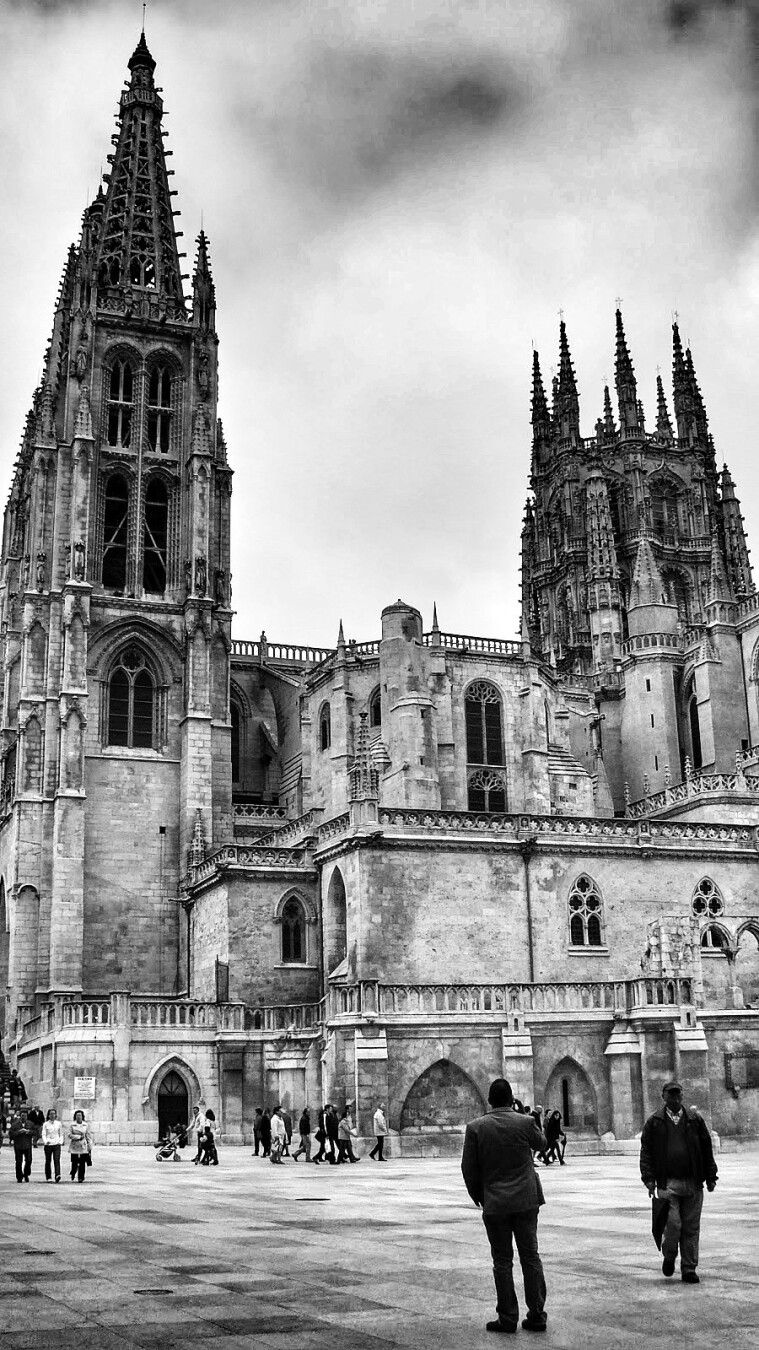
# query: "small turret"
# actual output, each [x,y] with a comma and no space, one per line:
[681,388]
[203,289]
[663,424]
[610,426]
[736,544]
[541,417]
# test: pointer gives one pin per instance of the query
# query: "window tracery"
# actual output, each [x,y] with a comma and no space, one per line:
[121,400]
[707,900]
[131,702]
[293,925]
[155,537]
[486,790]
[160,408]
[115,532]
[585,914]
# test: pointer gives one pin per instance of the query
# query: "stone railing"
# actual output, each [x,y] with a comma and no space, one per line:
[642,641]
[484,646]
[523,828]
[331,828]
[245,855]
[87,1014]
[695,785]
[292,652]
[748,758]
[374,999]
[259,813]
[748,606]
[288,1018]
[301,828]
[152,1012]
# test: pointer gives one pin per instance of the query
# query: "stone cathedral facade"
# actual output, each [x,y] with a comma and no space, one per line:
[249,872]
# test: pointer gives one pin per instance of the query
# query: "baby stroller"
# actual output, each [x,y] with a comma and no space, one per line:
[168,1149]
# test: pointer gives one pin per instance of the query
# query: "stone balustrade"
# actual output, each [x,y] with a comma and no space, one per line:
[291,652]
[245,856]
[330,829]
[695,785]
[523,827]
[86,1014]
[458,642]
[294,831]
[643,641]
[259,813]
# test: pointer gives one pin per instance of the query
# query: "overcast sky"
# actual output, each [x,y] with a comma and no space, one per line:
[400,196]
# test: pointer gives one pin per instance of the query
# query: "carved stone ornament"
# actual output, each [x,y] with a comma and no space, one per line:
[200,574]
[220,586]
[79,561]
[203,370]
[40,571]
[188,575]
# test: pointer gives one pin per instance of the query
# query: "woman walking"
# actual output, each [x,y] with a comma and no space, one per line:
[557,1140]
[80,1146]
[344,1131]
[52,1142]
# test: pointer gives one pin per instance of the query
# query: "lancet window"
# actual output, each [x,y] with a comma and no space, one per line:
[115,532]
[159,409]
[484,735]
[293,924]
[131,702]
[155,537]
[585,914]
[121,389]
[325,728]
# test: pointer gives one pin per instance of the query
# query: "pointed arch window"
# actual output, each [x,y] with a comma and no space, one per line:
[484,733]
[131,702]
[707,902]
[325,728]
[375,710]
[585,914]
[121,404]
[714,939]
[486,790]
[235,741]
[115,532]
[293,925]
[159,409]
[155,537]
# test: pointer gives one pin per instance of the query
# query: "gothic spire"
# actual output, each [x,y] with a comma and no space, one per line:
[541,419]
[719,586]
[663,424]
[680,386]
[137,246]
[699,411]
[203,289]
[624,379]
[568,401]
[363,778]
[734,534]
[610,429]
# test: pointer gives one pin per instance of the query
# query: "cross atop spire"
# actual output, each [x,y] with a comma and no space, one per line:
[568,401]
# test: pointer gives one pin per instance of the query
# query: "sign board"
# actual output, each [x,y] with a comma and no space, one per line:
[84,1089]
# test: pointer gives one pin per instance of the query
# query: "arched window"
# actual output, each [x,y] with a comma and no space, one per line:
[695,730]
[120,404]
[714,938]
[486,790]
[664,507]
[235,742]
[707,900]
[155,537]
[115,532]
[484,736]
[325,728]
[159,409]
[585,914]
[131,702]
[375,710]
[293,931]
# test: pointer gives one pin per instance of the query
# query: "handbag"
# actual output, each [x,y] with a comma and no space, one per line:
[659,1216]
[88,1159]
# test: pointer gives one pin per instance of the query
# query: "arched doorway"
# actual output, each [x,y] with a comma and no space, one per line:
[335,923]
[173,1102]
[570,1091]
[442,1097]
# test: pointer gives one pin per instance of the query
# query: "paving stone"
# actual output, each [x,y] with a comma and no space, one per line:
[402,1259]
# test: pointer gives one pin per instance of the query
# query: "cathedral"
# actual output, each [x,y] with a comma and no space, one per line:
[245,872]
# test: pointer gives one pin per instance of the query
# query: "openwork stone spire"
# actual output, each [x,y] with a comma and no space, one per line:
[137,246]
[363,778]
[568,401]
[647,586]
[624,379]
[663,424]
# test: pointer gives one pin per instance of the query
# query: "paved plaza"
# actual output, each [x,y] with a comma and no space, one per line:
[366,1257]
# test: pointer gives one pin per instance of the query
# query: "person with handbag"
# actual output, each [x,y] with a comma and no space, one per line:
[52,1142]
[80,1146]
[345,1131]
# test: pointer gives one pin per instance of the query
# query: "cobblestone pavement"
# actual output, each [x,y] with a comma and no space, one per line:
[352,1258]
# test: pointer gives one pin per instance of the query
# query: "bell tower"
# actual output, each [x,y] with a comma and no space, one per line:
[115,595]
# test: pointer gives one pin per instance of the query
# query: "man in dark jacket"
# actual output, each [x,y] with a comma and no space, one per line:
[500,1176]
[676,1159]
[22,1137]
[332,1126]
[16,1089]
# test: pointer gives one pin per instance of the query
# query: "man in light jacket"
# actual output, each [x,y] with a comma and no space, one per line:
[380,1133]
[500,1176]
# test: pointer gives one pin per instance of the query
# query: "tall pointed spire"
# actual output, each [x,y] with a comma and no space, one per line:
[663,424]
[541,418]
[610,428]
[363,778]
[624,379]
[681,387]
[719,585]
[734,533]
[568,401]
[137,246]
[699,410]
[203,289]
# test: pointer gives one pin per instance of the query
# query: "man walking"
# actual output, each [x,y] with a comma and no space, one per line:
[304,1130]
[22,1134]
[500,1176]
[380,1133]
[676,1158]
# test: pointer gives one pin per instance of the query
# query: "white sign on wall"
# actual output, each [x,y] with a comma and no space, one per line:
[84,1089]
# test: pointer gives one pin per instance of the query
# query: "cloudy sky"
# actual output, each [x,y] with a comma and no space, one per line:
[400,196]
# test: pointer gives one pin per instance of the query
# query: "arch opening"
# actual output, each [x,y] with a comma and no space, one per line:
[443,1097]
[335,923]
[173,1102]
[570,1091]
